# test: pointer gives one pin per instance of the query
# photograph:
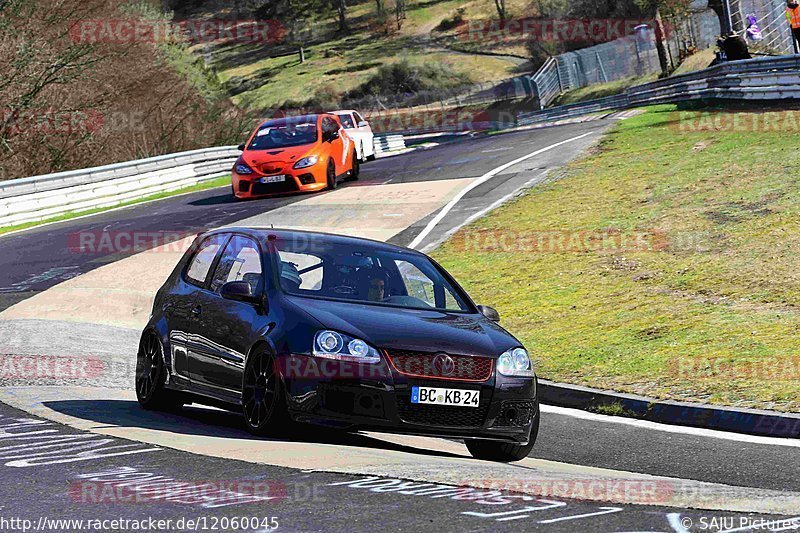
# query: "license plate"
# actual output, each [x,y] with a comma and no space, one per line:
[273,179]
[437,396]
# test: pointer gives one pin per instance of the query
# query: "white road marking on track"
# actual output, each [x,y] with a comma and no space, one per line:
[667,428]
[675,522]
[481,213]
[480,181]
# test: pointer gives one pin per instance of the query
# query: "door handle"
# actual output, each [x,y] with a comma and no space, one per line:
[197,310]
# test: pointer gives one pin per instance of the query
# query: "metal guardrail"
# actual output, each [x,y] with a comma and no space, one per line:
[388,143]
[42,197]
[547,81]
[752,79]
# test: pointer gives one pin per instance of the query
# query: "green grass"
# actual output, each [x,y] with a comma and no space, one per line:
[711,316]
[212,184]
[343,62]
[601,90]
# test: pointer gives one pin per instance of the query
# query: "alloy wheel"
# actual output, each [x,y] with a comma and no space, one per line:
[331,176]
[260,390]
[148,367]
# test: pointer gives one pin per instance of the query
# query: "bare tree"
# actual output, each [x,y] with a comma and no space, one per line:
[400,12]
[501,8]
[341,8]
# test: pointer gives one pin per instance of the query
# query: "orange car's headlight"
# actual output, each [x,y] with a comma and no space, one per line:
[306,162]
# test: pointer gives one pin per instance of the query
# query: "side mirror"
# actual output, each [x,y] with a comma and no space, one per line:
[330,136]
[363,124]
[240,147]
[489,312]
[239,291]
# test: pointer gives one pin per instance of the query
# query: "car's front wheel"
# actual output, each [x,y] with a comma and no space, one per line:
[263,401]
[151,377]
[502,452]
[331,176]
[356,167]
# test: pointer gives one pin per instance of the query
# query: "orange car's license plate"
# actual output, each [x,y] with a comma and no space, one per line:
[273,179]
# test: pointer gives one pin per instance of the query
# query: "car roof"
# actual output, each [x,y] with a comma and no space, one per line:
[311,117]
[343,111]
[264,234]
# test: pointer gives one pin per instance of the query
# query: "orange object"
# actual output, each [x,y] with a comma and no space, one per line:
[793,16]
[296,154]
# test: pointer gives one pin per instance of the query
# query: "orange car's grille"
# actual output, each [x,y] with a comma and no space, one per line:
[271,168]
[429,365]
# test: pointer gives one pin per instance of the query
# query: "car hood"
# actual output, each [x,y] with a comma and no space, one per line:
[282,155]
[411,329]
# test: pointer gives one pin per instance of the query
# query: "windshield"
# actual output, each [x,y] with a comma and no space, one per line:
[365,274]
[285,133]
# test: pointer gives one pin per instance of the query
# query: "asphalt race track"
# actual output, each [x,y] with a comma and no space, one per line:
[77,447]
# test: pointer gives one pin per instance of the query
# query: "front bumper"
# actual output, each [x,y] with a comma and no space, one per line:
[366,397]
[310,179]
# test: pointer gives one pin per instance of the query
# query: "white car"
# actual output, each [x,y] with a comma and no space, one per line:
[359,130]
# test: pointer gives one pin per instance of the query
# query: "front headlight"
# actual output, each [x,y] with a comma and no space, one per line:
[515,363]
[307,162]
[335,345]
[242,168]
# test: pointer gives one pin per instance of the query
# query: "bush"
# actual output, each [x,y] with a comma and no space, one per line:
[453,22]
[404,78]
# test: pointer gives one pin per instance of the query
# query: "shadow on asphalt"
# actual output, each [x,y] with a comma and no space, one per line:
[201,421]
[219,199]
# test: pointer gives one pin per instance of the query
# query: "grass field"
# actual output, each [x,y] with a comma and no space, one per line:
[342,62]
[694,293]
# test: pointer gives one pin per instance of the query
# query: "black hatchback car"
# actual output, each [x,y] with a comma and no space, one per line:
[297,327]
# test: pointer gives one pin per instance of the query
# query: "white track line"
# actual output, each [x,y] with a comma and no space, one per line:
[480,181]
[667,428]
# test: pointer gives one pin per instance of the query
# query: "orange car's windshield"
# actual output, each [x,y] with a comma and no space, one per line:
[284,134]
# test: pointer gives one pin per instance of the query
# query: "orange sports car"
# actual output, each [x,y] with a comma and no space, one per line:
[295,154]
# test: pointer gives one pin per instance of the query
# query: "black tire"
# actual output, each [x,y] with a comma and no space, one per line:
[331,176]
[502,452]
[263,399]
[151,392]
[356,167]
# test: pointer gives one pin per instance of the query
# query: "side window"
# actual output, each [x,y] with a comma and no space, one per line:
[359,118]
[421,286]
[301,271]
[329,125]
[347,121]
[203,259]
[241,261]
[417,284]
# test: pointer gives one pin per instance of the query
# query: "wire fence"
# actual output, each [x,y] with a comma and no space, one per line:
[633,56]
[771,18]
